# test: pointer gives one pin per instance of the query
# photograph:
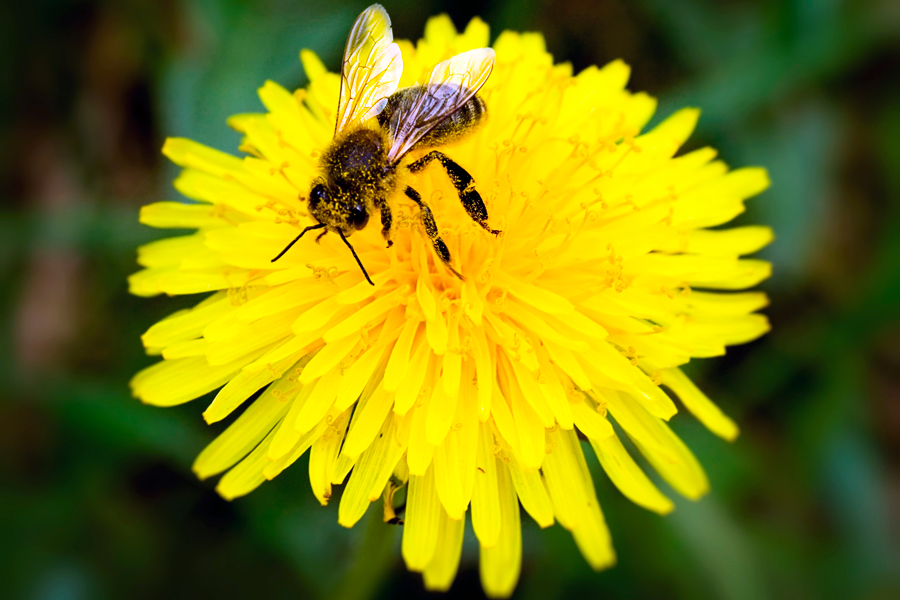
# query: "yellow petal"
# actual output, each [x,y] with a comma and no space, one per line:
[441,571]
[324,453]
[245,384]
[301,445]
[563,479]
[286,436]
[359,375]
[662,448]
[485,373]
[319,401]
[540,298]
[188,153]
[245,433]
[178,215]
[246,476]
[440,415]
[590,423]
[364,429]
[409,387]
[448,479]
[532,492]
[422,523]
[361,318]
[500,565]
[189,323]
[328,358]
[504,421]
[530,431]
[592,535]
[485,496]
[738,240]
[452,363]
[312,65]
[628,476]
[699,404]
[400,356]
[370,474]
[172,382]
[420,454]
[717,304]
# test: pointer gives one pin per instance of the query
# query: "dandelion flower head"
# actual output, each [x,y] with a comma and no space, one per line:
[469,397]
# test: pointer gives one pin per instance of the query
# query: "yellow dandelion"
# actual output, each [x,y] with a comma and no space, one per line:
[470,396]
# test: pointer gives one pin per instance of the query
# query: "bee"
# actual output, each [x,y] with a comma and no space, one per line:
[378,125]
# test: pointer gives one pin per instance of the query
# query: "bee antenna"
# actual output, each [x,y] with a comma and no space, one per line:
[297,239]
[359,262]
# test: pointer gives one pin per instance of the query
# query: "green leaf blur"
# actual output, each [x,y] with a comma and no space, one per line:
[97,496]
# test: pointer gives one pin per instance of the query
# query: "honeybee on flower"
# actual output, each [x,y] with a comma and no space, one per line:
[359,168]
[470,395]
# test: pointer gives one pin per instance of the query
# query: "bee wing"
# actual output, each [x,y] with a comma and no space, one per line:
[452,84]
[371,68]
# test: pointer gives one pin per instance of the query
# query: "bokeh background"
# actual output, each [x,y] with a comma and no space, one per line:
[97,499]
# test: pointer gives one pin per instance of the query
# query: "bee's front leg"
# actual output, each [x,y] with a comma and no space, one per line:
[386,220]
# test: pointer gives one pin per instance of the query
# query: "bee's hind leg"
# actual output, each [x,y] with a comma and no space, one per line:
[464,184]
[431,230]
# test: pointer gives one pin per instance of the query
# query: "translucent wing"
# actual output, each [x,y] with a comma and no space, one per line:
[371,68]
[452,84]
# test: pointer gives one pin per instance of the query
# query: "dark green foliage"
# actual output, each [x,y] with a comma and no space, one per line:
[96,492]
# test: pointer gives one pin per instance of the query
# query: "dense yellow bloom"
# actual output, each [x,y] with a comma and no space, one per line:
[473,394]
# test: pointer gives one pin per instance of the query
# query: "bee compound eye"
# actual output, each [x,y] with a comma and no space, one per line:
[358,216]
[317,195]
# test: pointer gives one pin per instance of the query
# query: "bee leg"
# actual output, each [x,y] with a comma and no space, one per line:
[431,230]
[320,236]
[386,221]
[464,184]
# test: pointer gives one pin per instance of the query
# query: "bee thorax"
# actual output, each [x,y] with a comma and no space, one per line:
[355,161]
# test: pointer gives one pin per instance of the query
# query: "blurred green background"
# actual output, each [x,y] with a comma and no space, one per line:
[96,492]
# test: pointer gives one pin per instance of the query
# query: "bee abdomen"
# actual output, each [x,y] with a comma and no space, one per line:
[459,124]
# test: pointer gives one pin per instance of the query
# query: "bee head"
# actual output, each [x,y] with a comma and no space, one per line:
[336,213]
